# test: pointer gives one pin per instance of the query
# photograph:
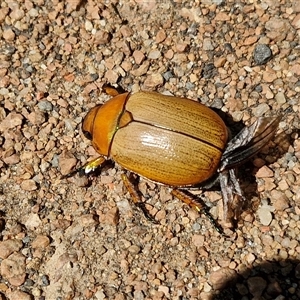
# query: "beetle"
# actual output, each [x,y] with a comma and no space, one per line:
[173,141]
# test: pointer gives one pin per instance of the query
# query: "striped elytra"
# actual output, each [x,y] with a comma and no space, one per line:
[169,140]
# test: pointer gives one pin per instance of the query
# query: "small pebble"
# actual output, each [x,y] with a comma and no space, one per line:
[198,240]
[262,54]
[256,286]
[160,36]
[277,28]
[40,241]
[153,81]
[280,200]
[17,14]
[208,45]
[134,249]
[138,56]
[264,172]
[88,220]
[102,37]
[12,120]
[29,185]
[280,98]
[13,269]
[222,278]
[9,246]
[264,213]
[261,109]
[154,54]
[45,105]
[8,34]
[19,295]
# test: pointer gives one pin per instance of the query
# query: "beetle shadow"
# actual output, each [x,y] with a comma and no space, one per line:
[268,280]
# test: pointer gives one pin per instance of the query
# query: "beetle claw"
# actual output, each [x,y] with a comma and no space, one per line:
[143,208]
[198,205]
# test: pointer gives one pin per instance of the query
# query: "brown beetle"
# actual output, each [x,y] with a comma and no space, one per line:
[173,141]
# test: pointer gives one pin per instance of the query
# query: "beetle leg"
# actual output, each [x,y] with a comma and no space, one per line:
[87,168]
[232,194]
[136,198]
[198,205]
[112,91]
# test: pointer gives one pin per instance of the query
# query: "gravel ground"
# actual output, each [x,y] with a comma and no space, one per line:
[82,239]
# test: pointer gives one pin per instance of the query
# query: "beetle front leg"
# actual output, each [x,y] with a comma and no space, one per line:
[136,198]
[198,205]
[87,168]
[112,91]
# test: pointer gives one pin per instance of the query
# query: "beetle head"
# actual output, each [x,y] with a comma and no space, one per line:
[88,122]
[102,122]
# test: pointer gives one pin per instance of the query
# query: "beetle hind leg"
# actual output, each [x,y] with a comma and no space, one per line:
[232,194]
[134,194]
[198,205]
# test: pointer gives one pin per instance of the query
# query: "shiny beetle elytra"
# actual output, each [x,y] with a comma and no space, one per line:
[173,141]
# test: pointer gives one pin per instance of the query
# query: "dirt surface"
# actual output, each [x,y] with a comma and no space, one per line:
[83,239]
